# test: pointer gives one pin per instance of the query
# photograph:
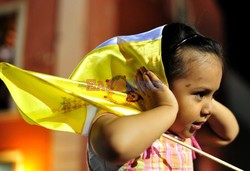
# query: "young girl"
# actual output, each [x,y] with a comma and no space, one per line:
[184,109]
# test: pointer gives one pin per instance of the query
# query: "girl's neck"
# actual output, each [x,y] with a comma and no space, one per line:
[174,135]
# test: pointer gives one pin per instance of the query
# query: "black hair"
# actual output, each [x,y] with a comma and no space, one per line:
[177,36]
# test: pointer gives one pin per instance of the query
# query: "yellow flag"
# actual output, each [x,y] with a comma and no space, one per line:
[104,79]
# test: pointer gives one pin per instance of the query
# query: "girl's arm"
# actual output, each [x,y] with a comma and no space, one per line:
[222,127]
[119,139]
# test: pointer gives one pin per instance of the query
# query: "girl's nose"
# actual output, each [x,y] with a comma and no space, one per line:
[206,110]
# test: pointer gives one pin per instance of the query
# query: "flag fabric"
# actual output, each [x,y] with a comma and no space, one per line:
[104,79]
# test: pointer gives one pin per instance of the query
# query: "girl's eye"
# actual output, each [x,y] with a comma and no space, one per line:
[200,95]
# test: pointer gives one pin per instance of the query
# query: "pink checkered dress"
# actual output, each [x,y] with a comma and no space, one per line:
[163,155]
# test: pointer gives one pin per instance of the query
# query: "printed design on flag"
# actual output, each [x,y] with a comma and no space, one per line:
[69,104]
[120,83]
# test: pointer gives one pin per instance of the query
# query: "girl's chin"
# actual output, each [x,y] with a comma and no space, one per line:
[184,134]
[188,134]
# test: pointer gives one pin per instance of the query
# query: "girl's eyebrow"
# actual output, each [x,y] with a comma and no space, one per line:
[194,87]
[202,87]
[206,89]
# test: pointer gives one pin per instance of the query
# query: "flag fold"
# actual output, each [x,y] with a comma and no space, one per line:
[104,79]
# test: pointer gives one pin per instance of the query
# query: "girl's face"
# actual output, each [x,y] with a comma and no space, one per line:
[194,92]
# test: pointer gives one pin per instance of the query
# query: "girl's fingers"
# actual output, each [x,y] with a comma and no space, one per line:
[139,80]
[152,76]
[141,93]
[138,76]
[154,79]
[143,69]
[148,82]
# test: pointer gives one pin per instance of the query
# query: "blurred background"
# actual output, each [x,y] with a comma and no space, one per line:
[52,36]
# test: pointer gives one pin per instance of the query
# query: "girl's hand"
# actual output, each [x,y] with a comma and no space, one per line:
[153,91]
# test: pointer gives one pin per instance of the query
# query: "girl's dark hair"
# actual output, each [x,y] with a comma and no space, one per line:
[175,36]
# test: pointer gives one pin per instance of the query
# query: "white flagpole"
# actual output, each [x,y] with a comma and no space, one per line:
[203,153]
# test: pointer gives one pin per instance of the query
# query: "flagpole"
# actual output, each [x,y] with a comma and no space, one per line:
[203,153]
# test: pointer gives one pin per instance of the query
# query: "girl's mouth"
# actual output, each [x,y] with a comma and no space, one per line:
[197,125]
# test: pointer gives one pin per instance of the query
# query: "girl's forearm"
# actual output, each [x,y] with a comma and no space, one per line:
[223,122]
[127,137]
